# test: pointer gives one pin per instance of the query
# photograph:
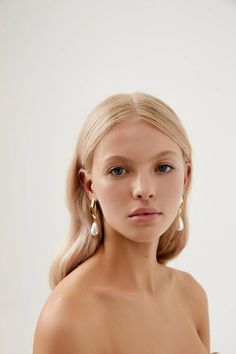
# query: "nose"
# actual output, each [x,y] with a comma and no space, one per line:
[143,189]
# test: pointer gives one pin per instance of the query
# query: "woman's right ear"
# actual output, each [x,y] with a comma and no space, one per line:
[85,181]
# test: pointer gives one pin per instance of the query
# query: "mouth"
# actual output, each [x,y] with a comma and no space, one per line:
[145,217]
[144,212]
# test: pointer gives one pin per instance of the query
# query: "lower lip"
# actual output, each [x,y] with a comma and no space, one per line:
[145,217]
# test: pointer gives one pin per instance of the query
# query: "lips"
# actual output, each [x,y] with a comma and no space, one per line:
[144,211]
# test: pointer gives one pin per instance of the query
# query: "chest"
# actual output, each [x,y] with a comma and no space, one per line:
[130,324]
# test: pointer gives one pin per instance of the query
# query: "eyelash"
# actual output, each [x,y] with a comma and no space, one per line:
[111,170]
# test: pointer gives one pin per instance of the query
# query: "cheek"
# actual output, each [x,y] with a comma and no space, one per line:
[174,188]
[170,193]
[111,195]
[173,197]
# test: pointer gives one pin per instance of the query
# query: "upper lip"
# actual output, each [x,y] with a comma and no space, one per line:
[141,211]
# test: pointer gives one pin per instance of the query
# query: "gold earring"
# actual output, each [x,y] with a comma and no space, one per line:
[93,211]
[180,226]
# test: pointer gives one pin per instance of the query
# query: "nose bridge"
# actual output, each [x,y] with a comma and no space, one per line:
[142,177]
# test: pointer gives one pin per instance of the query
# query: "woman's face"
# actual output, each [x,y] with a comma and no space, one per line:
[130,170]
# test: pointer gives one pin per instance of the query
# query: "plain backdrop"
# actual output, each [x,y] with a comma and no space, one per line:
[61,58]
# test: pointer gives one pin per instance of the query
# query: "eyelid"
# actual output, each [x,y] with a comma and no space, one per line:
[171,164]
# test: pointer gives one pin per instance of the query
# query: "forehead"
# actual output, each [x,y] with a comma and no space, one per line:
[135,137]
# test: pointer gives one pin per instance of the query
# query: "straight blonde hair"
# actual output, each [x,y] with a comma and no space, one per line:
[80,245]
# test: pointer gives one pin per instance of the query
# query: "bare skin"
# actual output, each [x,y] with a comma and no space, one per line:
[86,315]
[121,300]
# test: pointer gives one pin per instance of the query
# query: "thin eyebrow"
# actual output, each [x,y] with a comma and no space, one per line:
[160,154]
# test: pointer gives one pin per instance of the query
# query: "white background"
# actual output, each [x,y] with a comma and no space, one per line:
[58,60]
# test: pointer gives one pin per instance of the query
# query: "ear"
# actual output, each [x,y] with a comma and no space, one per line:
[86,182]
[187,174]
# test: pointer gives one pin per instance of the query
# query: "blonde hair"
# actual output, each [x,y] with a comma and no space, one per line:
[80,245]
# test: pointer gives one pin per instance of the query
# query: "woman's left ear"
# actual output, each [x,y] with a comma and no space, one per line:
[187,173]
[86,182]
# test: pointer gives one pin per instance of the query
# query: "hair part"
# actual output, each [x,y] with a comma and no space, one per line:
[80,245]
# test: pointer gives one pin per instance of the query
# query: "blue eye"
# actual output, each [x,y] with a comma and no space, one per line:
[162,168]
[119,170]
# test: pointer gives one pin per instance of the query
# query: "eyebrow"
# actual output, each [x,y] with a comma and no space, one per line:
[160,154]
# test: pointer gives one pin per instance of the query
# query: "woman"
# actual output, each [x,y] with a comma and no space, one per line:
[127,192]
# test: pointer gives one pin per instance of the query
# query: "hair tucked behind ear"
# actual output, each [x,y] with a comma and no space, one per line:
[80,245]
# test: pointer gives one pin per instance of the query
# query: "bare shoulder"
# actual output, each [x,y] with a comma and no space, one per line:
[189,284]
[54,333]
[58,327]
[196,300]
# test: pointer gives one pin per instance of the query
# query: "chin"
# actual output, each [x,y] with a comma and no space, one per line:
[144,237]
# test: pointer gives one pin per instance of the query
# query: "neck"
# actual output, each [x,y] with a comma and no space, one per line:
[129,265]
